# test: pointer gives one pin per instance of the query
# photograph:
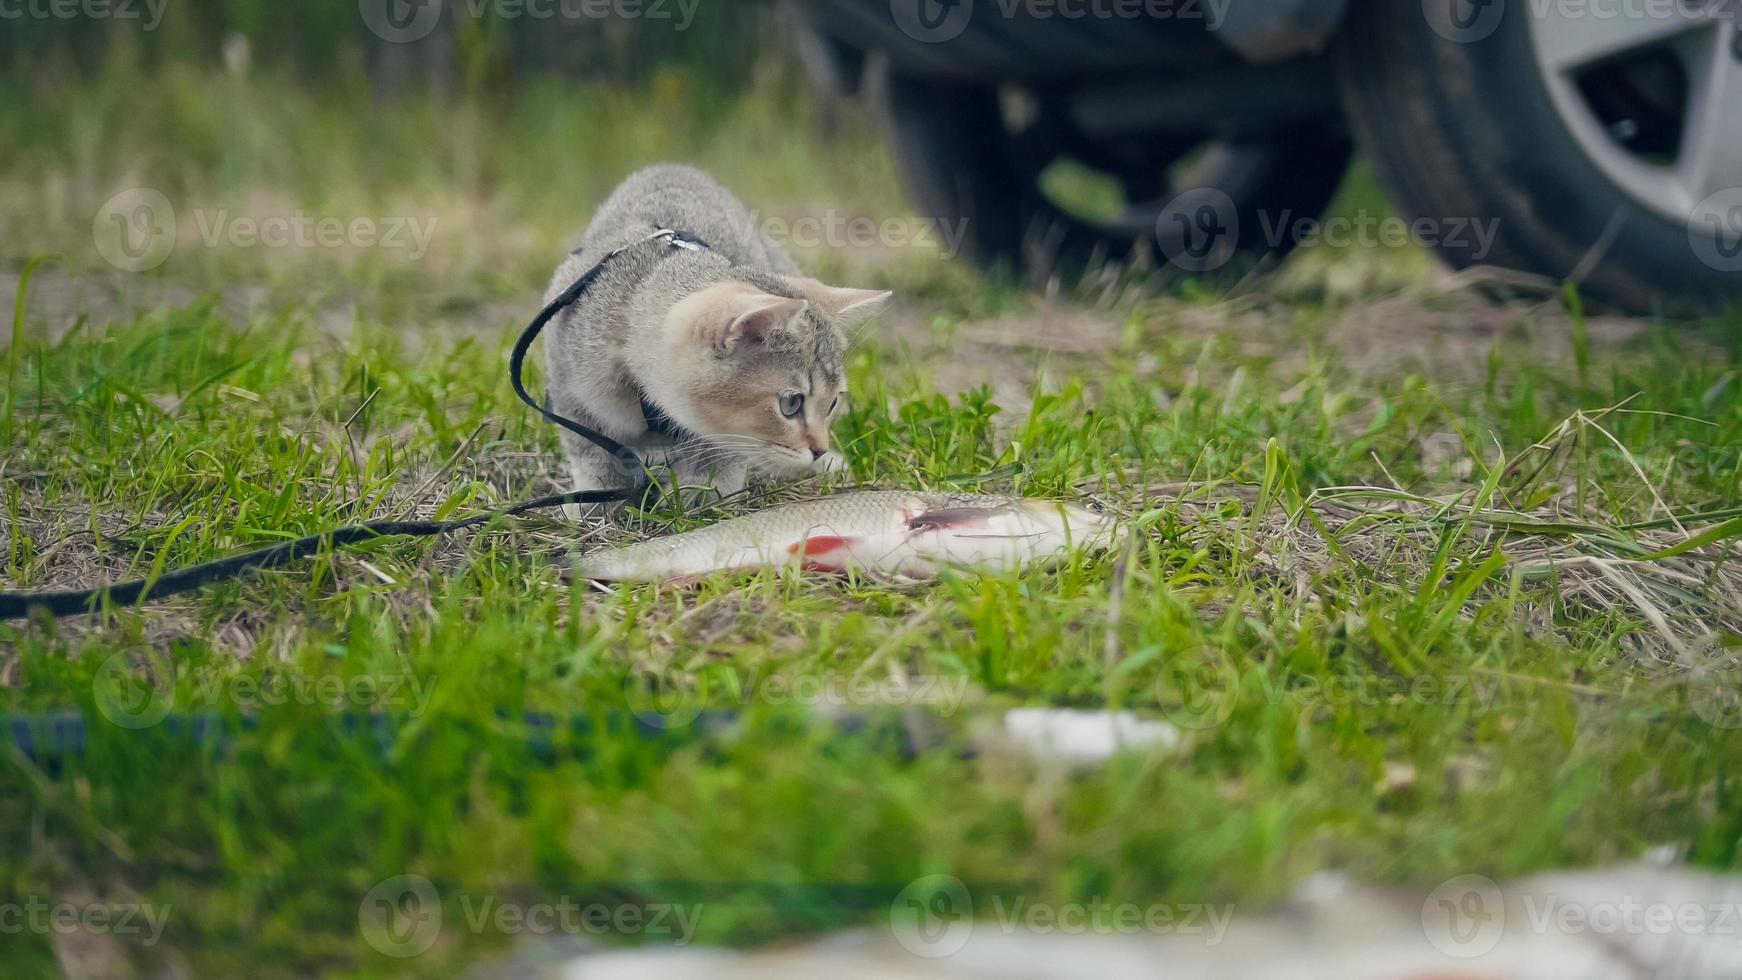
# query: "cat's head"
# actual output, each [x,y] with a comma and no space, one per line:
[759,367]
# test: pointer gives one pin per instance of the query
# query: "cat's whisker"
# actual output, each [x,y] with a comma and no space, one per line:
[728,447]
[704,463]
[853,334]
[732,447]
[725,453]
[727,442]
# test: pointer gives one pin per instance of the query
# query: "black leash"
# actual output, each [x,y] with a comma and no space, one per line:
[656,419]
[643,492]
[55,738]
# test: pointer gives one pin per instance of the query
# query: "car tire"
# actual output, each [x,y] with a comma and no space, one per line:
[1461,123]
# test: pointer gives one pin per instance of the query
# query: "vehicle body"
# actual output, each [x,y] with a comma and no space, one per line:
[1600,140]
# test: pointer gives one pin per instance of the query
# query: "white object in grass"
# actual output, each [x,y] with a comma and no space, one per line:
[1081,737]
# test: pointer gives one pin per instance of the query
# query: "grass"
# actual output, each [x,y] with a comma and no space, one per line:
[1436,679]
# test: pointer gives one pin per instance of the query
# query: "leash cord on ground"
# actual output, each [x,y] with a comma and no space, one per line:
[17,605]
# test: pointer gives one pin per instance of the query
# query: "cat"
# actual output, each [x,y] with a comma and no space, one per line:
[742,353]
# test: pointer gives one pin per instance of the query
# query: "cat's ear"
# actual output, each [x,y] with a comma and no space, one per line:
[846,307]
[729,315]
[762,314]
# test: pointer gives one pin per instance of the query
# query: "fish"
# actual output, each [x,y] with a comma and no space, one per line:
[890,534]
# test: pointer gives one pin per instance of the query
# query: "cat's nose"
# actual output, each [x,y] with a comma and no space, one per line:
[818,453]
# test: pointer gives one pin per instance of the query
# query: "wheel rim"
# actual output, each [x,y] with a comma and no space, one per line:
[1585,57]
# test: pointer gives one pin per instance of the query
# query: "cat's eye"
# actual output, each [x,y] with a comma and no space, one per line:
[791,405]
[834,404]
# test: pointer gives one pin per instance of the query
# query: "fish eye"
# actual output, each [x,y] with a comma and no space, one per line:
[791,404]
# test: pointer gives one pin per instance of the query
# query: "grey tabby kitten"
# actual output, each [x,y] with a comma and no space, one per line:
[732,343]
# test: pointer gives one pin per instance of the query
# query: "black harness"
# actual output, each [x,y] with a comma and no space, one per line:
[658,422]
[642,492]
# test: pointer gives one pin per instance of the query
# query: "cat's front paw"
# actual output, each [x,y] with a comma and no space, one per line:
[589,513]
